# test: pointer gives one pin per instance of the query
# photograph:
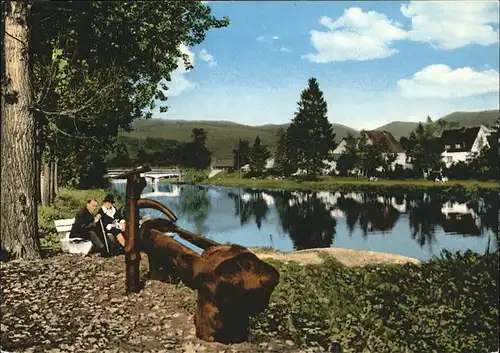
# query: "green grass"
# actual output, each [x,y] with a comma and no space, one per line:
[446,305]
[339,183]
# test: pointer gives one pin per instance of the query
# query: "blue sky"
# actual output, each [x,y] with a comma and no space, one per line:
[376,62]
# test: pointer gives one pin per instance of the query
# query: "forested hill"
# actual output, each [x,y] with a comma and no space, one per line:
[464,119]
[223,135]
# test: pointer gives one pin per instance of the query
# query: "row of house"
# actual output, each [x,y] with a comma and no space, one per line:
[458,145]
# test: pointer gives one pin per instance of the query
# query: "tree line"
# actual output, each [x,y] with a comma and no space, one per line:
[74,74]
[159,152]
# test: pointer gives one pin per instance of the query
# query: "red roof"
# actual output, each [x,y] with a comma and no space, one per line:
[385,141]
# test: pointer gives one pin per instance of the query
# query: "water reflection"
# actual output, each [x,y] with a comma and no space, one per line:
[195,204]
[307,219]
[415,224]
[250,204]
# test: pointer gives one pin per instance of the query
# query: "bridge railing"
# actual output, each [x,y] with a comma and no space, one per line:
[153,171]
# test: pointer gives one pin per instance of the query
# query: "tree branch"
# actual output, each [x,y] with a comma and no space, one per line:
[65,133]
[71,113]
[19,40]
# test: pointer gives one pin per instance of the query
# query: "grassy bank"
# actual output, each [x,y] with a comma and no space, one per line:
[347,184]
[67,203]
[445,305]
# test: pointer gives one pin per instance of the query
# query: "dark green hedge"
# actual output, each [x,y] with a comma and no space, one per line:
[445,305]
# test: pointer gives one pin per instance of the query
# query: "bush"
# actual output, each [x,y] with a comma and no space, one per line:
[194,176]
[445,305]
[67,203]
[459,171]
[400,173]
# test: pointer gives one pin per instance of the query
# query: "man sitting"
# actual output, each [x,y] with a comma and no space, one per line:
[112,220]
[85,226]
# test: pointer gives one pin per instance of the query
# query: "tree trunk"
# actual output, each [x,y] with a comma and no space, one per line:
[18,141]
[39,165]
[49,183]
[55,189]
[45,183]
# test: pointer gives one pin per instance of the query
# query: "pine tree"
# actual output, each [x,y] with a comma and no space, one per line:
[310,134]
[259,156]
[281,154]
[241,155]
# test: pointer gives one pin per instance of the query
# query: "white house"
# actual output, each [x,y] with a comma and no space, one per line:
[270,162]
[387,143]
[464,144]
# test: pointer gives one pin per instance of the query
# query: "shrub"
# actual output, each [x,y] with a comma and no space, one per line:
[195,176]
[446,305]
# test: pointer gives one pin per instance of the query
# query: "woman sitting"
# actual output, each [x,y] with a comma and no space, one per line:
[112,220]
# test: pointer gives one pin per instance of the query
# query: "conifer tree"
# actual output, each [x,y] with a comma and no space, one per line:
[259,156]
[241,155]
[310,134]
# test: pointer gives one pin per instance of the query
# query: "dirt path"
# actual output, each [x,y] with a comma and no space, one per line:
[73,304]
[69,303]
[348,257]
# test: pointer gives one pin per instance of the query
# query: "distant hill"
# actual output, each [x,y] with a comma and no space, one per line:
[399,128]
[486,117]
[464,119]
[222,135]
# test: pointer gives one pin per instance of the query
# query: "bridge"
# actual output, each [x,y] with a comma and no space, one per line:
[154,175]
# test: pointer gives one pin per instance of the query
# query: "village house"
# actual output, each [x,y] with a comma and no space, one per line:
[222,164]
[464,144]
[384,140]
[269,165]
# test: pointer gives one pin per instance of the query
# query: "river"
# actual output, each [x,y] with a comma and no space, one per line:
[417,224]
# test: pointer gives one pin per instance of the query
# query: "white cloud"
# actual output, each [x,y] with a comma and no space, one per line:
[274,43]
[450,24]
[178,81]
[205,56]
[356,35]
[440,81]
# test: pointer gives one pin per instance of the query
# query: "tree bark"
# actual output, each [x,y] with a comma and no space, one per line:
[48,182]
[55,189]
[45,187]
[19,224]
[51,183]
[39,160]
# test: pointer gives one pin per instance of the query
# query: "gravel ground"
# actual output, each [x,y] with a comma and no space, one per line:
[69,303]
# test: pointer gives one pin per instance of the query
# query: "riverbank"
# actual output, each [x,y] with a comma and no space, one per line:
[346,257]
[349,184]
